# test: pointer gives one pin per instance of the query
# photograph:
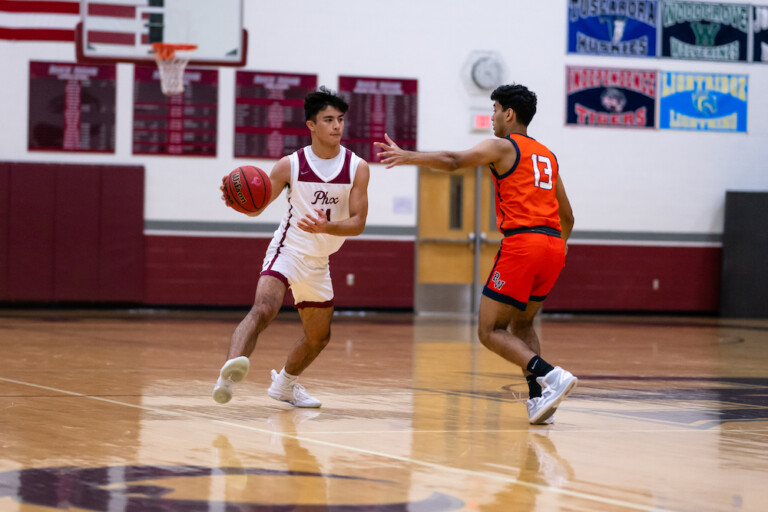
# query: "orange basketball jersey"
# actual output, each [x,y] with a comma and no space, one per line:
[525,194]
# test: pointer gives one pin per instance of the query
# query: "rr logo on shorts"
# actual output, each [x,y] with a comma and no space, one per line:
[497,282]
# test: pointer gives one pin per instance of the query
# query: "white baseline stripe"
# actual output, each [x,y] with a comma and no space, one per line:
[114,24]
[431,465]
[24,20]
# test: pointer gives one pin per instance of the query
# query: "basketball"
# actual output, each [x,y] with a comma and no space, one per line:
[249,189]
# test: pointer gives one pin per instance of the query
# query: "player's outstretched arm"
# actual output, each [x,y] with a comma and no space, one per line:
[358,210]
[484,153]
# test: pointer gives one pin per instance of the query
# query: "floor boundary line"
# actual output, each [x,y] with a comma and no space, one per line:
[465,472]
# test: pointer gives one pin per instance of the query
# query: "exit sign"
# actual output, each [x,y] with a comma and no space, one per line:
[481,121]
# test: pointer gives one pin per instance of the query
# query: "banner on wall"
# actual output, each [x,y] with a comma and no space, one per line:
[703,102]
[180,125]
[269,113]
[611,97]
[704,31]
[71,107]
[760,29]
[378,106]
[626,29]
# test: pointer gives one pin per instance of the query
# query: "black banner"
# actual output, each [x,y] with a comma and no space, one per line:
[704,31]
[611,97]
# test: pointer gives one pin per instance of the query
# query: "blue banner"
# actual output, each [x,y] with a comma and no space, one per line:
[704,31]
[625,28]
[703,102]
[611,97]
[760,29]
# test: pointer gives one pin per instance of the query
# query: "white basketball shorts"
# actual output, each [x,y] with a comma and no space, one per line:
[308,278]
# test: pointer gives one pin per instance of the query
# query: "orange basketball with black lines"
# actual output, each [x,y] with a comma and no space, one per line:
[249,188]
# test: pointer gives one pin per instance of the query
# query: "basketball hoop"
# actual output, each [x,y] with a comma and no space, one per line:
[171,65]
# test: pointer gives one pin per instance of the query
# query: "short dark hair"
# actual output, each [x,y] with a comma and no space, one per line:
[323,97]
[519,98]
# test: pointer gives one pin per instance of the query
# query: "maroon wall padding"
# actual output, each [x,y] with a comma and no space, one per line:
[121,251]
[76,237]
[5,209]
[224,271]
[620,278]
[203,270]
[383,273]
[31,232]
[71,233]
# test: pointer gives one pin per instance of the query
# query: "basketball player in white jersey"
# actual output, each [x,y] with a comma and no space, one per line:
[327,202]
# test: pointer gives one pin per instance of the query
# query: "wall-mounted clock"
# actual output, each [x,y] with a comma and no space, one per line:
[487,72]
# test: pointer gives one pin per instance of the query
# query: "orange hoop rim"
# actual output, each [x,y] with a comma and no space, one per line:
[165,51]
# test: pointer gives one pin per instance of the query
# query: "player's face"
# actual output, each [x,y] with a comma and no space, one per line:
[328,125]
[497,120]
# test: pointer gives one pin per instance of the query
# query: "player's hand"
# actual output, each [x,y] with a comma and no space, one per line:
[391,154]
[312,224]
[224,194]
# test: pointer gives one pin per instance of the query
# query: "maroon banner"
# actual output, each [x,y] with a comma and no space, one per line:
[269,113]
[378,106]
[71,107]
[181,124]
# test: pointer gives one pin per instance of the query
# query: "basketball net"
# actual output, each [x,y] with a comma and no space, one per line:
[171,60]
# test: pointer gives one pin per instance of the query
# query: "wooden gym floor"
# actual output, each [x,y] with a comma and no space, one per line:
[111,411]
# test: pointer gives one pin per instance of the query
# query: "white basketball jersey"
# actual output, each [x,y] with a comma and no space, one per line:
[310,190]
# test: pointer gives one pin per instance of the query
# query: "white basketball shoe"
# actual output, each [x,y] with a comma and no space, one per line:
[555,387]
[532,406]
[290,392]
[231,373]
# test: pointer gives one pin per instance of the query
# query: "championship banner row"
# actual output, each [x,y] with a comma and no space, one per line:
[72,108]
[629,97]
[683,30]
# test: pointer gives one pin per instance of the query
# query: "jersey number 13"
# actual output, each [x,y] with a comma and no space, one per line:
[545,183]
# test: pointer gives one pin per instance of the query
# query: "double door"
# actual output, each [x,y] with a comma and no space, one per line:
[457,239]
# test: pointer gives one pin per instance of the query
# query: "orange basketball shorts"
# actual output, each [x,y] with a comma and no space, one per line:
[526,268]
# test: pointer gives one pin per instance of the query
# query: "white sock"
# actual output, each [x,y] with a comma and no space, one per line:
[287,376]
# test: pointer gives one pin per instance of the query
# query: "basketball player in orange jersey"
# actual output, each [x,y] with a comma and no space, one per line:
[534,215]
[327,202]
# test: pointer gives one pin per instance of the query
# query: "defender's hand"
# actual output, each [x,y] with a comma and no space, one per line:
[391,154]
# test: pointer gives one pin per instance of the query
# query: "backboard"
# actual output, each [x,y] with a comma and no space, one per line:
[124,30]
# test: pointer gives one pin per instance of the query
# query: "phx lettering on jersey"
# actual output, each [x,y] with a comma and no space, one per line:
[322,198]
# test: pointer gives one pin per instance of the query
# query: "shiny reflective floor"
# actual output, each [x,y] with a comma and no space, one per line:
[111,411]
